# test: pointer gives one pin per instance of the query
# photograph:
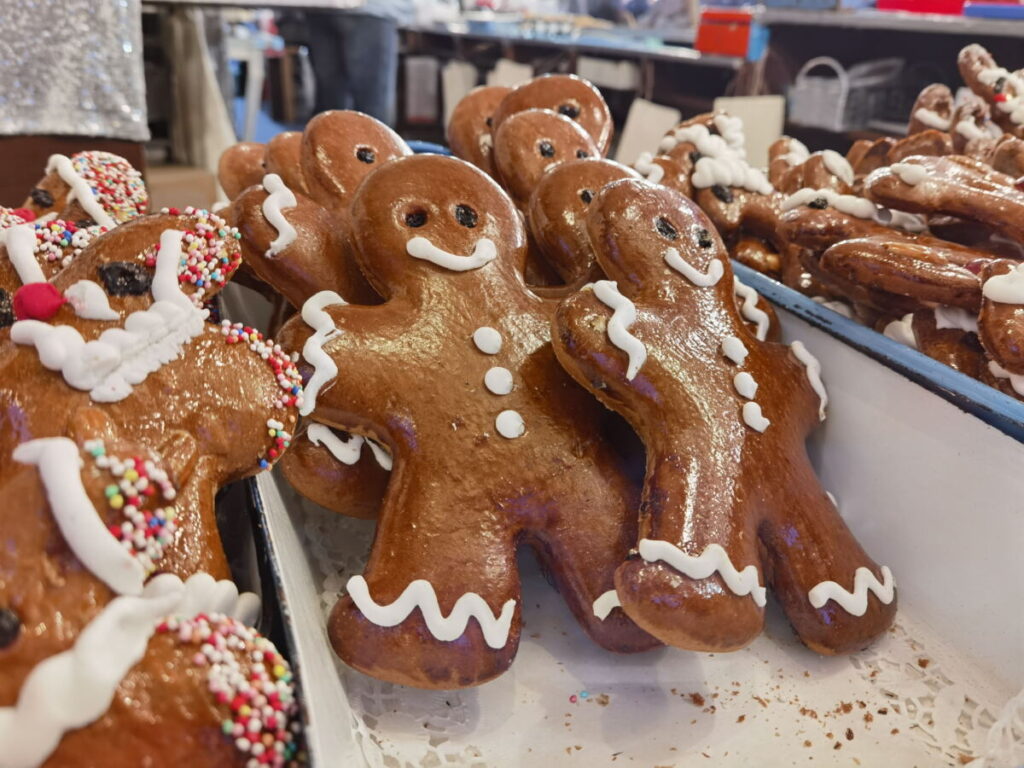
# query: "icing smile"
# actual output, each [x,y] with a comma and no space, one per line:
[484,253]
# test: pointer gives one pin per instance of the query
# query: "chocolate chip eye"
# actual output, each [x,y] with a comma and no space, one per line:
[41,197]
[6,309]
[546,149]
[999,85]
[125,278]
[695,156]
[489,121]
[722,193]
[10,626]
[581,154]
[586,196]
[819,203]
[569,110]
[365,155]
[416,218]
[704,238]
[84,223]
[465,215]
[665,228]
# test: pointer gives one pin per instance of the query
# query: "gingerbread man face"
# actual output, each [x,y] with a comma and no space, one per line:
[470,130]
[558,208]
[528,143]
[720,412]
[567,95]
[339,149]
[457,379]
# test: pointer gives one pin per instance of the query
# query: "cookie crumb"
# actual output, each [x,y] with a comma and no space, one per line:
[696,699]
[741,718]
[807,742]
[923,662]
[894,731]
[849,734]
[837,745]
[760,701]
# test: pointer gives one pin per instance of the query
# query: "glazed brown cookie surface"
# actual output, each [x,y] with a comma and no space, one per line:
[470,129]
[283,156]
[240,166]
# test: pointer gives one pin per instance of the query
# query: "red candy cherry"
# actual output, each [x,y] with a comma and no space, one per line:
[25,214]
[37,301]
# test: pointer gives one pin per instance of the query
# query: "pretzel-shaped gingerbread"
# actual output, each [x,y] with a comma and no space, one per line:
[492,442]
[716,409]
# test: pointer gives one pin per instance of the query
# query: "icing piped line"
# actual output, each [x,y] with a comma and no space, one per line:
[701,279]
[1016,379]
[813,367]
[89,301]
[484,253]
[1006,289]
[838,166]
[278,199]
[749,308]
[714,559]
[623,316]
[605,603]
[420,594]
[60,466]
[21,242]
[76,687]
[856,602]
[855,206]
[324,369]
[957,318]
[650,170]
[909,173]
[347,451]
[933,119]
[80,190]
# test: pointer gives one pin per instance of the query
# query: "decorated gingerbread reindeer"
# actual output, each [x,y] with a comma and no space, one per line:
[493,444]
[731,505]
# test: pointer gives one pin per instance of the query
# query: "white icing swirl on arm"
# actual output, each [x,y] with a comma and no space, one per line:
[797,153]
[970,130]
[714,559]
[420,594]
[59,464]
[483,253]
[623,316]
[1006,289]
[21,250]
[279,198]
[1016,379]
[813,367]
[749,308]
[80,190]
[324,369]
[701,279]
[729,171]
[855,603]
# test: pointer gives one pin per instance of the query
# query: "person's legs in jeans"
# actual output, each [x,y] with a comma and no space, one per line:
[370,50]
[327,41]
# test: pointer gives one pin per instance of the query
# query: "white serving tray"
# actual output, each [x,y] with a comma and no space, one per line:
[932,491]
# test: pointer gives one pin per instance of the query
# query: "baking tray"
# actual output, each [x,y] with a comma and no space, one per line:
[931,491]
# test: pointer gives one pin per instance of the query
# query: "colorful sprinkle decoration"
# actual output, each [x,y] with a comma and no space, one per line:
[63,241]
[145,532]
[115,184]
[262,712]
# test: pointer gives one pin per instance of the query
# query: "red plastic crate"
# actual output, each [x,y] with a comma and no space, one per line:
[724,32]
[949,7]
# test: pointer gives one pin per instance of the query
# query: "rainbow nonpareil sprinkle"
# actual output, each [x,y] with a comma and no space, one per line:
[210,251]
[117,187]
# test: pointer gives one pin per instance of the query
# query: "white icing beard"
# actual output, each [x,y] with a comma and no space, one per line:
[279,197]
[729,171]
[484,253]
[80,190]
[120,358]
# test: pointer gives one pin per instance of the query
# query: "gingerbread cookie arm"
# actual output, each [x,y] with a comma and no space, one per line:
[283,156]
[1001,323]
[929,142]
[950,335]
[240,166]
[1008,157]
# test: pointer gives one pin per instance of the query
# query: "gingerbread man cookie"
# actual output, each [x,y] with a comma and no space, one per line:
[283,156]
[1001,89]
[240,166]
[933,110]
[470,128]
[721,414]
[1001,322]
[492,442]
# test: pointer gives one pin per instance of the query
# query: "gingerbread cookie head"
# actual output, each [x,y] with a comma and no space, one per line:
[339,149]
[933,110]
[470,129]
[557,213]
[283,156]
[567,95]
[89,188]
[240,166]
[530,142]
[1001,89]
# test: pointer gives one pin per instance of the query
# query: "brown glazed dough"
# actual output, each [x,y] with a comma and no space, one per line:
[240,166]
[872,157]
[757,254]
[675,171]
[469,131]
[958,349]
[933,110]
[815,173]
[1001,326]
[973,111]
[856,153]
[414,380]
[557,211]
[711,479]
[954,185]
[51,255]
[568,95]
[339,148]
[528,143]
[1008,157]
[928,142]
[783,154]
[283,156]
[983,75]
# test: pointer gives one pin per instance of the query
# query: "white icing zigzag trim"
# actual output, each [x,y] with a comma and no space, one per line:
[713,559]
[347,451]
[605,603]
[74,688]
[701,279]
[279,197]
[623,316]
[856,602]
[749,308]
[324,369]
[420,594]
[80,190]
[59,465]
[813,374]
[484,253]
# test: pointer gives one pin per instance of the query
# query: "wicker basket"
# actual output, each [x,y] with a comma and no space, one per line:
[848,100]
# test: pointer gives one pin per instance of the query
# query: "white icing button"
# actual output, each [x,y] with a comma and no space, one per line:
[745,385]
[753,417]
[487,340]
[510,424]
[734,349]
[498,380]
